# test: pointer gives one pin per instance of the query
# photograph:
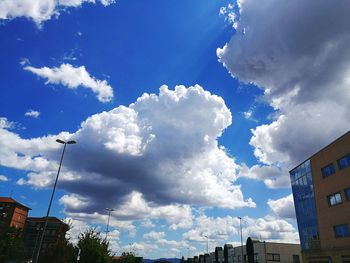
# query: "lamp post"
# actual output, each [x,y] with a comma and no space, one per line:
[240,225]
[207,243]
[109,215]
[53,193]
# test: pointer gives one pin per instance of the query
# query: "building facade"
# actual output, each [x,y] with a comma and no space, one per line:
[55,231]
[12,214]
[321,191]
[264,252]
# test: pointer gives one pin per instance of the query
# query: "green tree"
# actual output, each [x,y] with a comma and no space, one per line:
[93,248]
[62,252]
[128,257]
[12,247]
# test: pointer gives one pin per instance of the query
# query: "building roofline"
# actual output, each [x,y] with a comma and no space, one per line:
[334,141]
[10,200]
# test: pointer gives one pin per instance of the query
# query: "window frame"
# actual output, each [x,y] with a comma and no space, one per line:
[347,159]
[347,194]
[324,170]
[329,197]
[340,227]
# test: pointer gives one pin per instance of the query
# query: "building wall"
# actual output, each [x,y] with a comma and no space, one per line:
[271,252]
[19,217]
[330,216]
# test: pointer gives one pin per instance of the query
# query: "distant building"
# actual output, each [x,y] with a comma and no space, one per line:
[229,253]
[219,255]
[263,252]
[55,231]
[321,191]
[269,252]
[12,214]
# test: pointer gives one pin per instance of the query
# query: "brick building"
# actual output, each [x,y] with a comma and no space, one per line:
[12,214]
[321,191]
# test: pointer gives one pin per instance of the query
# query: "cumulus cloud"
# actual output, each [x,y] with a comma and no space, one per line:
[5,123]
[40,11]
[150,160]
[154,235]
[32,113]
[283,207]
[225,229]
[301,61]
[74,77]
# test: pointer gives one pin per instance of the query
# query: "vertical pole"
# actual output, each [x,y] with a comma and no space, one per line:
[48,209]
[240,225]
[109,215]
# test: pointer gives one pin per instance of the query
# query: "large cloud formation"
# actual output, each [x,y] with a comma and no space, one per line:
[40,10]
[297,52]
[152,159]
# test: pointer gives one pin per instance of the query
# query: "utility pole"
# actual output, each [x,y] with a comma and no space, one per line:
[240,225]
[109,215]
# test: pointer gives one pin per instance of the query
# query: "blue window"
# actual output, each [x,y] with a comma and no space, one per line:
[328,170]
[347,194]
[341,230]
[344,162]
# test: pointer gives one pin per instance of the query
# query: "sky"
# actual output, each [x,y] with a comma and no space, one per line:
[187,114]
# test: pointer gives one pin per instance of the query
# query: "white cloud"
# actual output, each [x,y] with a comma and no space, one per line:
[302,65]
[273,176]
[74,77]
[283,207]
[32,113]
[154,235]
[40,11]
[3,178]
[227,230]
[5,123]
[151,160]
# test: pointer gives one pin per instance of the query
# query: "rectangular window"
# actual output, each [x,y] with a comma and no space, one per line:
[328,170]
[341,230]
[344,162]
[334,199]
[296,259]
[273,257]
[347,194]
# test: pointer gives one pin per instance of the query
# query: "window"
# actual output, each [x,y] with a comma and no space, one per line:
[344,162]
[273,257]
[347,194]
[341,230]
[296,258]
[328,170]
[334,199]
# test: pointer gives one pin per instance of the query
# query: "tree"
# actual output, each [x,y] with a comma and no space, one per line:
[12,247]
[128,257]
[93,248]
[62,252]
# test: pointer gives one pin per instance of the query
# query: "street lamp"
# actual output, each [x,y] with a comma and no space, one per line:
[207,243]
[53,192]
[109,215]
[240,225]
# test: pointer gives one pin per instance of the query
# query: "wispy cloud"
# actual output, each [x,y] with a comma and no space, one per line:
[74,77]
[32,113]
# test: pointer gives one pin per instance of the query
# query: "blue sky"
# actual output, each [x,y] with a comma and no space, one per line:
[187,114]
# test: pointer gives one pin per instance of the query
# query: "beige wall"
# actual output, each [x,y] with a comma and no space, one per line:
[323,187]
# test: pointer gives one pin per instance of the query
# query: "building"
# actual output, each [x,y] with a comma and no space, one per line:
[219,255]
[12,214]
[55,231]
[321,190]
[263,252]
[269,252]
